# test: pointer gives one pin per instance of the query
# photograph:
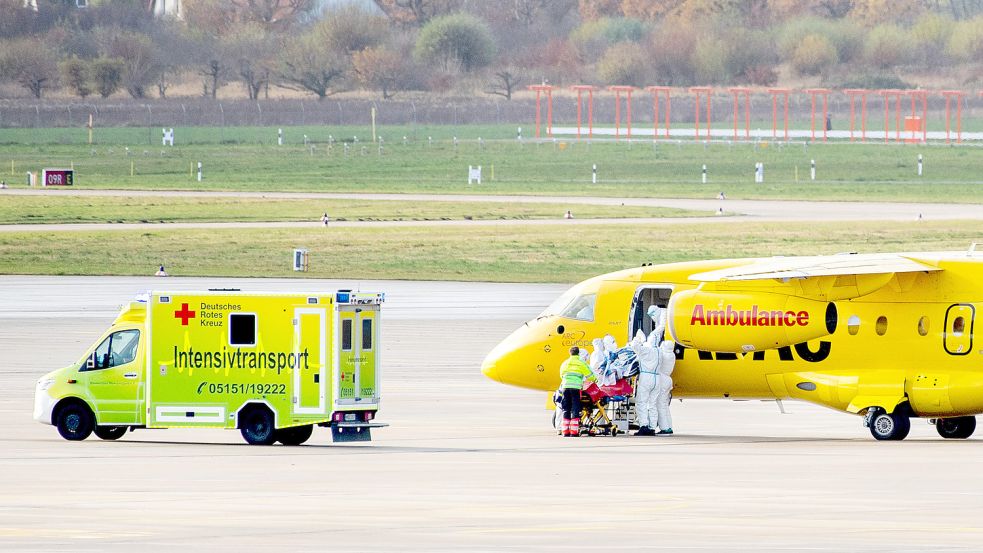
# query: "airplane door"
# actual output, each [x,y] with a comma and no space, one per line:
[958,335]
[645,297]
[310,345]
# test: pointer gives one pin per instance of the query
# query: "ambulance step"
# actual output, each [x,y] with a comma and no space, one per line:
[353,431]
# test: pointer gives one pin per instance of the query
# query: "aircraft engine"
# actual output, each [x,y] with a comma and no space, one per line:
[742,322]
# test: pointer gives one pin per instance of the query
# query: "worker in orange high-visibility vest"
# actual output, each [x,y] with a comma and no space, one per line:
[573,372]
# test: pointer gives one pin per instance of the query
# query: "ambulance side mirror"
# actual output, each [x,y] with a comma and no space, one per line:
[90,363]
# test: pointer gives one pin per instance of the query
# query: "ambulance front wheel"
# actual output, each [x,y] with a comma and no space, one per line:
[75,421]
[295,435]
[110,432]
[257,426]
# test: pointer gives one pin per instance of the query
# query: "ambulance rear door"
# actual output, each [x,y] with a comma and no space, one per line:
[358,355]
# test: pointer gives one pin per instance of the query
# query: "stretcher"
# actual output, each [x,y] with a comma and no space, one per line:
[606,410]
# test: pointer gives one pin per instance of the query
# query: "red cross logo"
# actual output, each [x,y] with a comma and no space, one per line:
[184,314]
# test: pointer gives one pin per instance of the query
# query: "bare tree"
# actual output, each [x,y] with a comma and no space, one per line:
[29,63]
[138,55]
[273,13]
[833,9]
[382,68]
[215,73]
[416,12]
[248,51]
[507,80]
[305,64]
[16,19]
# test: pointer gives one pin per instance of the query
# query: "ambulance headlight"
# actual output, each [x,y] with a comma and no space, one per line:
[45,383]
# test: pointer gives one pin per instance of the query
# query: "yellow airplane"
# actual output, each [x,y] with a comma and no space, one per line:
[885,336]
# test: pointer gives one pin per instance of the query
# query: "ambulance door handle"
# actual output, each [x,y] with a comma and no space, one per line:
[131,376]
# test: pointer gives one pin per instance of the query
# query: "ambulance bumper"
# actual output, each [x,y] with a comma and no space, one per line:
[351,424]
[43,402]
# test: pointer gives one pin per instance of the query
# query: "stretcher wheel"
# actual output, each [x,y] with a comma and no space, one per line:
[614,431]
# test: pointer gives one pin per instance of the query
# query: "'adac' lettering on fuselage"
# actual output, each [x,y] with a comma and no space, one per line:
[747,317]
[784,353]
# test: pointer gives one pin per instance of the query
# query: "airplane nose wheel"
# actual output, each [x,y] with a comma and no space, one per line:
[956,428]
[889,426]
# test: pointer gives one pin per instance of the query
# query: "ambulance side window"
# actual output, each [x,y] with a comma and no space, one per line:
[346,335]
[366,334]
[119,348]
[242,329]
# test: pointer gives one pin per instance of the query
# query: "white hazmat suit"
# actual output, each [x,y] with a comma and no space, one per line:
[667,361]
[598,358]
[658,316]
[646,387]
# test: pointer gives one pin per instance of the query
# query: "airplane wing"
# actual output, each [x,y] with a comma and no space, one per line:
[817,266]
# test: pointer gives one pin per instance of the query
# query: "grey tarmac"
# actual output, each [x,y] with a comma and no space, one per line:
[466,463]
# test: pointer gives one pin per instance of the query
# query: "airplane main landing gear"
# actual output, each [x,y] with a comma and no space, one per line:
[956,428]
[888,426]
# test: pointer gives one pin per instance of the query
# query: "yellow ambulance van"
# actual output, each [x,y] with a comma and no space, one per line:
[273,366]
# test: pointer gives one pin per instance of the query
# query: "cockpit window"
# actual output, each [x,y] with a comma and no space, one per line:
[558,304]
[581,308]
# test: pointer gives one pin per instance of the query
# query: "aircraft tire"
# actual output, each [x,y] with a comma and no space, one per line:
[256,426]
[893,426]
[956,428]
[295,435]
[110,432]
[75,421]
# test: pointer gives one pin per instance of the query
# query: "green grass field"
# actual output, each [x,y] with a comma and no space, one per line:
[844,172]
[141,209]
[516,254]
[247,159]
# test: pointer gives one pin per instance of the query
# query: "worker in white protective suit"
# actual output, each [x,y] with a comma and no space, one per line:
[608,378]
[646,387]
[667,361]
[598,358]
[658,316]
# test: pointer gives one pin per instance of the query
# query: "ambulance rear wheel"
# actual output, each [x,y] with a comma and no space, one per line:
[956,428]
[110,432]
[257,427]
[890,426]
[75,421]
[294,435]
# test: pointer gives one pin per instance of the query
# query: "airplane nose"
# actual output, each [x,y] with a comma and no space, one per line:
[490,369]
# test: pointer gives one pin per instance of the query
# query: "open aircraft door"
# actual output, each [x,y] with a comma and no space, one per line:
[959,323]
[646,296]
[358,336]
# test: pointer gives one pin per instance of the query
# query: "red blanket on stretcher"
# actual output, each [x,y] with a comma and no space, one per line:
[619,388]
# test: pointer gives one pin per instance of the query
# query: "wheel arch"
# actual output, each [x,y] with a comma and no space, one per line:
[863,406]
[70,400]
[256,403]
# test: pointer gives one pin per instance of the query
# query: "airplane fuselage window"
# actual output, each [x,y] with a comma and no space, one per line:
[881,326]
[958,326]
[853,325]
